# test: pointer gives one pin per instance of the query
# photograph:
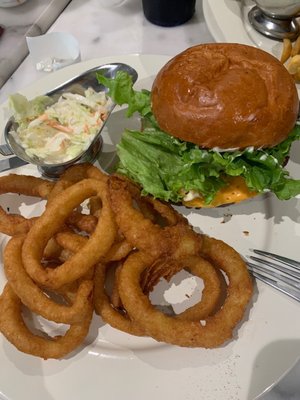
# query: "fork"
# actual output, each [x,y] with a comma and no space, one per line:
[281,273]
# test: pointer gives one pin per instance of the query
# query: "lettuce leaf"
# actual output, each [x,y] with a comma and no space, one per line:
[120,89]
[168,168]
[26,110]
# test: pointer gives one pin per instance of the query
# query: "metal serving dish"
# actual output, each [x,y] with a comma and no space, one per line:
[276,19]
[75,85]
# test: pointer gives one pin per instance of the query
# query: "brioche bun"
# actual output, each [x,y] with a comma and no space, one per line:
[226,96]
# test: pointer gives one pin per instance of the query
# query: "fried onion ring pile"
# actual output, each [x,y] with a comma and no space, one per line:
[101,246]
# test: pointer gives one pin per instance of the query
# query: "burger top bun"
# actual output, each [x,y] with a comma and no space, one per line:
[225,95]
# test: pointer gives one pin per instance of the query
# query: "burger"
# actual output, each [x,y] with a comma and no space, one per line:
[218,125]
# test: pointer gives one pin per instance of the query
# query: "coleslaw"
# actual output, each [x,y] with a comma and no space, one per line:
[57,132]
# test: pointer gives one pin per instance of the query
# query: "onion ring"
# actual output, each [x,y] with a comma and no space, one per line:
[115,298]
[142,233]
[70,256]
[51,222]
[25,184]
[217,329]
[34,298]
[74,242]
[155,210]
[214,283]
[82,222]
[74,174]
[105,309]
[16,332]
[14,224]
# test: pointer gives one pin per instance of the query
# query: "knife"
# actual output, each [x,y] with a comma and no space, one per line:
[11,163]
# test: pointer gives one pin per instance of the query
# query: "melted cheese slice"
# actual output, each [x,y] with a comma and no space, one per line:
[236,191]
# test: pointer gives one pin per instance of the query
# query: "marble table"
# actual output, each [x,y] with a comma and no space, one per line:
[32,18]
[107,28]
[104,30]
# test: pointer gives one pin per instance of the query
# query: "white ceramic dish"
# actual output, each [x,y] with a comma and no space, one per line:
[113,365]
[227,21]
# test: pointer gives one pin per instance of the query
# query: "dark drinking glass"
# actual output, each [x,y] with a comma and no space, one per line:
[168,12]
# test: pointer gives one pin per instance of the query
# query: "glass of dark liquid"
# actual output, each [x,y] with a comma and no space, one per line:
[168,12]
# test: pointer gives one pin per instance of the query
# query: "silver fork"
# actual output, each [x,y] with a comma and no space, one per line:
[281,273]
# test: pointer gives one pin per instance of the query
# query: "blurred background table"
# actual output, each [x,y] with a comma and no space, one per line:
[106,28]
[32,18]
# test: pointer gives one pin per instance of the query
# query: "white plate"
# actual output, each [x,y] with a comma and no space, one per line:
[113,365]
[227,21]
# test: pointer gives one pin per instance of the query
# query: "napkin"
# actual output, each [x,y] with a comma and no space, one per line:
[53,50]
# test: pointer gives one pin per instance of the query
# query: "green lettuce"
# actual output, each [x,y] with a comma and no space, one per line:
[168,168]
[26,110]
